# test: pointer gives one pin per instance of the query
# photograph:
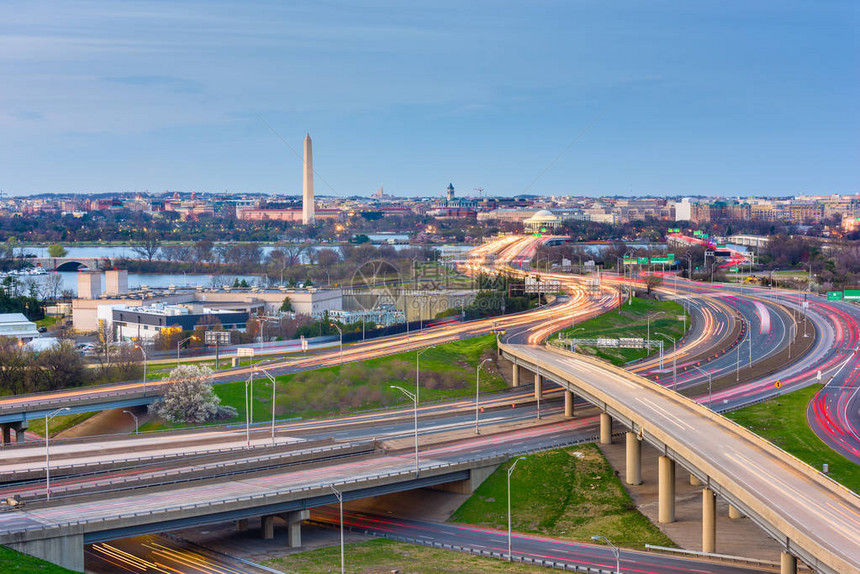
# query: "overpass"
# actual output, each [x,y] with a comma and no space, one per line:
[813,517]
[71,263]
[58,532]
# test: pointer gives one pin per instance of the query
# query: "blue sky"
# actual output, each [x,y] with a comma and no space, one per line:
[734,98]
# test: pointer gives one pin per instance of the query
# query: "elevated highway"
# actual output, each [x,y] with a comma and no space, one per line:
[816,519]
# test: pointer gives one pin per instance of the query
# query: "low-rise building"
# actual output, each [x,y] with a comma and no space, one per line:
[17,326]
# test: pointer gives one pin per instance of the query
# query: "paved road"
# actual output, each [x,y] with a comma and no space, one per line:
[820,518]
[522,545]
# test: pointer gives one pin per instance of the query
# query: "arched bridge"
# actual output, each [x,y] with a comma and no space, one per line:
[71,263]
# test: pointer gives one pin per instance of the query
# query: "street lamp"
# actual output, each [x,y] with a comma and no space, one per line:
[179,345]
[572,339]
[340,503]
[674,359]
[615,551]
[651,316]
[477,393]
[48,418]
[709,383]
[415,401]
[510,472]
[248,407]
[340,331]
[144,367]
[271,378]
[418,366]
[134,416]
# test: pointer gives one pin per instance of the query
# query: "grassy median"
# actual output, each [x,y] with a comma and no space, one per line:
[447,371]
[631,320]
[380,555]
[568,493]
[783,422]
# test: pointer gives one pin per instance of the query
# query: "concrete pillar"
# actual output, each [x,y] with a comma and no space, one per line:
[538,386]
[268,524]
[66,551]
[516,379]
[568,403]
[666,479]
[242,525]
[695,481]
[709,521]
[734,513]
[787,563]
[7,434]
[634,459]
[20,429]
[605,428]
[294,526]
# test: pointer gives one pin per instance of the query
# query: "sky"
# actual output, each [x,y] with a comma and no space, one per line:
[542,97]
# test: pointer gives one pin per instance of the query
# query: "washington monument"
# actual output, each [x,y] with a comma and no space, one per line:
[308,184]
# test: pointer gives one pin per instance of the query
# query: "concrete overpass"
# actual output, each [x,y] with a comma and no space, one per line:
[813,517]
[57,532]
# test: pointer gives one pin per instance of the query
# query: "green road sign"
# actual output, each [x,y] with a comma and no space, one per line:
[671,256]
[704,236]
[662,260]
[733,269]
[644,261]
[674,231]
[631,261]
[852,295]
[697,233]
[721,245]
[834,295]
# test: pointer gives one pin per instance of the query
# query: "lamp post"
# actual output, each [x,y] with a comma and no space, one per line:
[144,367]
[510,472]
[179,345]
[340,332]
[651,316]
[674,359]
[615,551]
[134,416]
[248,406]
[48,418]
[339,497]
[271,378]
[477,393]
[710,397]
[418,366]
[415,401]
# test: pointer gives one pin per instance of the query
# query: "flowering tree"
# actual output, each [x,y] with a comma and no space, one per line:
[190,399]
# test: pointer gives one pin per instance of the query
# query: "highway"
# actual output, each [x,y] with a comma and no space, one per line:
[821,519]
[522,545]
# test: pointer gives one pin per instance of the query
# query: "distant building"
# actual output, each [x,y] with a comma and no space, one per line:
[145,323]
[17,326]
[453,208]
[542,222]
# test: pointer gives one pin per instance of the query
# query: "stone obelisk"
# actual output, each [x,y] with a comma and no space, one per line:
[308,184]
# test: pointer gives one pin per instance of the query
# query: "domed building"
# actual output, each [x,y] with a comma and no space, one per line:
[542,221]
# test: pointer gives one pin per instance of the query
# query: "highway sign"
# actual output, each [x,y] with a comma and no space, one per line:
[644,261]
[697,233]
[662,260]
[834,295]
[851,295]
[721,245]
[631,261]
[733,269]
[217,337]
[778,384]
[674,231]
[245,352]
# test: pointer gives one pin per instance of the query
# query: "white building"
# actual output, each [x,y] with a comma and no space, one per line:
[16,326]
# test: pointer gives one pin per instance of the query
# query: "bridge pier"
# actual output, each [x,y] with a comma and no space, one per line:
[568,403]
[666,489]
[634,459]
[242,525]
[66,551]
[787,563]
[605,428]
[7,434]
[267,526]
[709,521]
[515,382]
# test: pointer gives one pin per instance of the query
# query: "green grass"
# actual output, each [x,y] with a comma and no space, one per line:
[379,555]
[12,562]
[59,423]
[571,493]
[47,321]
[783,422]
[447,371]
[632,321]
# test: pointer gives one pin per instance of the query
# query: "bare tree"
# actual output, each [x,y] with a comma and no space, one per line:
[147,245]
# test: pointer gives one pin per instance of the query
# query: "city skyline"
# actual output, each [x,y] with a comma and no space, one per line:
[545,99]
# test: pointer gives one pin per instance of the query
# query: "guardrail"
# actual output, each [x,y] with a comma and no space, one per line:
[717,557]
